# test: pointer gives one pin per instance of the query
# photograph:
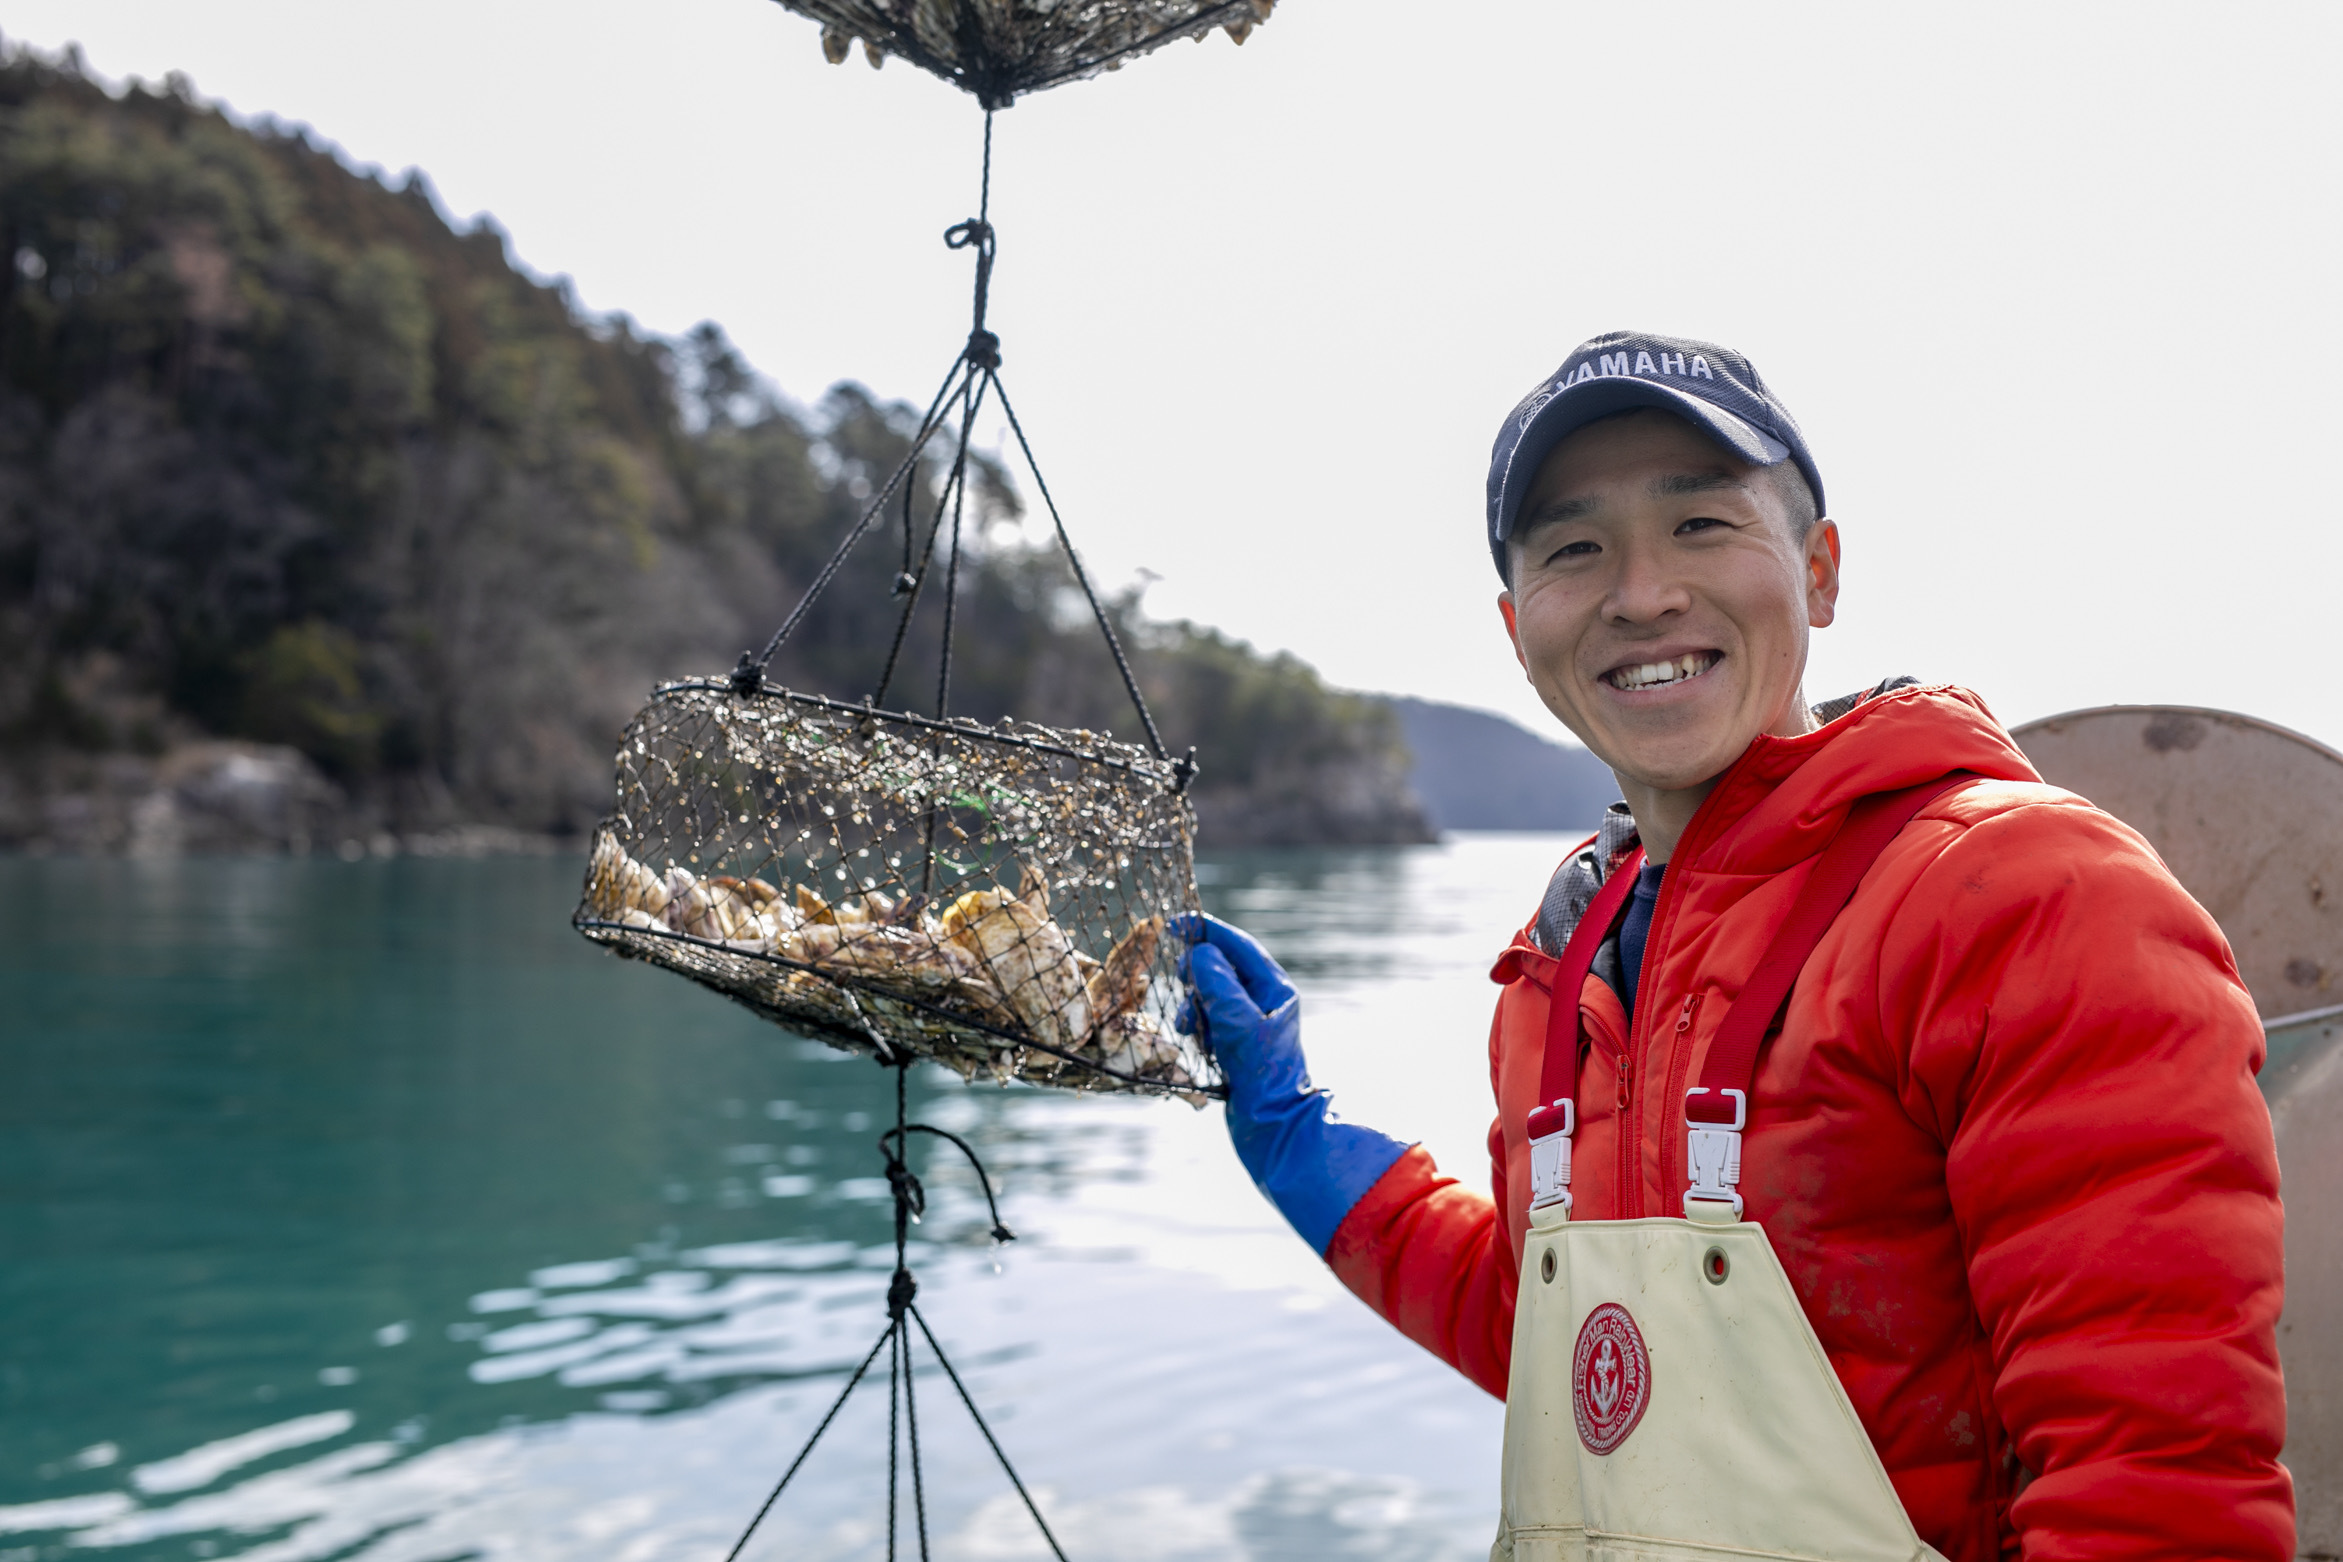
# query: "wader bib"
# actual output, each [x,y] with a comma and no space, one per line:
[1668,1398]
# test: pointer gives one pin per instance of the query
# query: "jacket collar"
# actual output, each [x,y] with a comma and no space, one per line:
[1785,797]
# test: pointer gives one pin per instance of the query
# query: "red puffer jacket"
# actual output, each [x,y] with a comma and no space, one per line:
[2007,1144]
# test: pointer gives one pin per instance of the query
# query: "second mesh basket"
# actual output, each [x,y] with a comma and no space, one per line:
[1000,899]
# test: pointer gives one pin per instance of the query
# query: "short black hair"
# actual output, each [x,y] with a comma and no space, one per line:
[1797,496]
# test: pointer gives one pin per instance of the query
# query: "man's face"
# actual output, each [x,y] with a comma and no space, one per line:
[1660,601]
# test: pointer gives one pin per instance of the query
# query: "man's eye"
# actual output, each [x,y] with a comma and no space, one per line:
[1699,523]
[1573,550]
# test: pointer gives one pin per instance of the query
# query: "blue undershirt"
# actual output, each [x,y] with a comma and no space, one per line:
[1636,928]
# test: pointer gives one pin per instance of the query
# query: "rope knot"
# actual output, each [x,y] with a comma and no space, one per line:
[900,1291]
[909,1195]
[984,349]
[748,677]
[974,231]
[1184,771]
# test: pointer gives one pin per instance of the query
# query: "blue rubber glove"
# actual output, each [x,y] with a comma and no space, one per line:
[1313,1168]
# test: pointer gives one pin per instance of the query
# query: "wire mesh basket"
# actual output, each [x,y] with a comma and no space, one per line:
[999,899]
[1002,49]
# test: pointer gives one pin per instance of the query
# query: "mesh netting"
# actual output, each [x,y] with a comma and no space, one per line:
[999,49]
[996,899]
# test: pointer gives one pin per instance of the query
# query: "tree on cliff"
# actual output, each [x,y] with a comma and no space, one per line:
[285,456]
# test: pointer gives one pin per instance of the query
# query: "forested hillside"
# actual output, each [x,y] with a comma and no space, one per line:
[1475,770]
[286,460]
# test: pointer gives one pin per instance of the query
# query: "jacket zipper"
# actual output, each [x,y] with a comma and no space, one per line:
[1676,1052]
[1631,1188]
[1627,1062]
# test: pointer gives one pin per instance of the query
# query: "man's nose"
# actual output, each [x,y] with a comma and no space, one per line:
[1644,589]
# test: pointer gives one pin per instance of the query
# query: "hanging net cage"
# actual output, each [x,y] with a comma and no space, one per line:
[998,899]
[1004,900]
[1000,50]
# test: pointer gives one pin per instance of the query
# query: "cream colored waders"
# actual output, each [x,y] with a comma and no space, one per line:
[1731,1437]
[1668,1398]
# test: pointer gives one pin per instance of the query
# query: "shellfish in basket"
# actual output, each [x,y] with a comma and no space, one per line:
[991,957]
[993,898]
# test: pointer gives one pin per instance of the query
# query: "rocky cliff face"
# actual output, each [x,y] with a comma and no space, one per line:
[210,799]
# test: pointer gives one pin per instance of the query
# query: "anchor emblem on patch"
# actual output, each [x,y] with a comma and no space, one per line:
[1610,1378]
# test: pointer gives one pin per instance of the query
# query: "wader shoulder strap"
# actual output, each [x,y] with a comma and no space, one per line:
[1555,1117]
[1717,1109]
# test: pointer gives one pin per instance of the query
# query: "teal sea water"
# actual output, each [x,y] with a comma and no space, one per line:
[364,1210]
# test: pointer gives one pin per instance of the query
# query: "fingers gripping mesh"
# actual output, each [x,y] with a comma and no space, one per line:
[993,898]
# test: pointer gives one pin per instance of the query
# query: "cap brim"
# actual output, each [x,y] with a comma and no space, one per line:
[1573,409]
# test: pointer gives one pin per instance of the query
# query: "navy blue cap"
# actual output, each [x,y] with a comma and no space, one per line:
[1713,388]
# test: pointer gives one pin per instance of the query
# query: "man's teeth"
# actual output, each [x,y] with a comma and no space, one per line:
[1651,675]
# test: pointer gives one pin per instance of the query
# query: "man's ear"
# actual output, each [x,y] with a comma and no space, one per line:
[1512,633]
[1822,573]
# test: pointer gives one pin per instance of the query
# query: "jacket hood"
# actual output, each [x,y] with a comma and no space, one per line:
[1784,798]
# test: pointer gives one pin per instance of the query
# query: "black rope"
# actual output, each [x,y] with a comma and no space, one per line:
[911,1425]
[1105,625]
[952,567]
[954,481]
[978,233]
[910,1203]
[1000,1233]
[927,853]
[952,493]
[960,236]
[905,581]
[894,1327]
[983,355]
[910,1200]
[749,675]
[991,1442]
[911,603]
[894,1432]
[974,376]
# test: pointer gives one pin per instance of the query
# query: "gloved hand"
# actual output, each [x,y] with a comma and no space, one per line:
[1248,1016]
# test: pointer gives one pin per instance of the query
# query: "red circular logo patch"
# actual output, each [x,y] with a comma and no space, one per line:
[1610,1378]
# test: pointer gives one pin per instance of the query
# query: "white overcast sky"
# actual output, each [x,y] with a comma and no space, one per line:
[2052,288]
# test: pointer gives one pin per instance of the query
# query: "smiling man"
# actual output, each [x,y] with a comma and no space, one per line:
[1878,1169]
